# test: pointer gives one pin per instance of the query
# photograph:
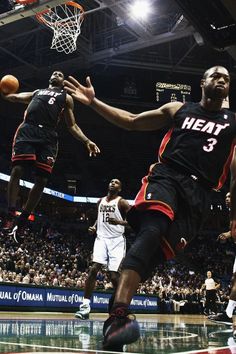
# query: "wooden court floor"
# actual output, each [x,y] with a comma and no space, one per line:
[34,332]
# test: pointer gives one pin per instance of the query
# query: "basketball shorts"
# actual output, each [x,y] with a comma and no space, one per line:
[180,197]
[109,252]
[37,144]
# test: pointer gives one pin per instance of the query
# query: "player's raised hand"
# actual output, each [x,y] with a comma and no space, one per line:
[92,148]
[83,94]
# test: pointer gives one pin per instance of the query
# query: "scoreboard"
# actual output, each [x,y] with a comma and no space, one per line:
[166,92]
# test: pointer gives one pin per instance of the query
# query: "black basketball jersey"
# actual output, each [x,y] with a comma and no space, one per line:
[200,143]
[46,107]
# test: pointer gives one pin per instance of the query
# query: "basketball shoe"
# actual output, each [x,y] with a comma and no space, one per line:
[15,233]
[120,328]
[19,227]
[221,318]
[83,312]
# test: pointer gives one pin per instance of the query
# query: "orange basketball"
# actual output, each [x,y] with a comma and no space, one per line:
[9,84]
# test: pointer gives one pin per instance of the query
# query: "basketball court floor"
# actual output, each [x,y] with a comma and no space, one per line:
[61,333]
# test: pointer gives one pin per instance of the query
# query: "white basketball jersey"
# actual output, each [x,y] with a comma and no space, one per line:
[108,210]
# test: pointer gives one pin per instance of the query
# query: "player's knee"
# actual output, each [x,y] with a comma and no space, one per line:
[94,270]
[41,181]
[114,277]
[141,254]
[17,171]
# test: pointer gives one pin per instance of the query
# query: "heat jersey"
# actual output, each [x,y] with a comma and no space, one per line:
[200,143]
[46,107]
[106,210]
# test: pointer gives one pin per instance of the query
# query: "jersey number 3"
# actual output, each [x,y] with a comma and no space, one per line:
[210,146]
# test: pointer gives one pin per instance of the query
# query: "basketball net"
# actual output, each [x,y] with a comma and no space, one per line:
[65,20]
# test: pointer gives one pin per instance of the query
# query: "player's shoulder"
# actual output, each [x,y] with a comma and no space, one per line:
[123,203]
[171,108]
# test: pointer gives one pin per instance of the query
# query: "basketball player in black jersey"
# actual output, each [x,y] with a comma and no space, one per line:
[194,158]
[36,139]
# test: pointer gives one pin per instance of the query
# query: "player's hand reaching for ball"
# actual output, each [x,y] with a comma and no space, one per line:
[83,94]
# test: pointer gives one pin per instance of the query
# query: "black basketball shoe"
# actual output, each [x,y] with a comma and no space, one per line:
[119,329]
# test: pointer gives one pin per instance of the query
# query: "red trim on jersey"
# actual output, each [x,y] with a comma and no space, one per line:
[164,142]
[167,249]
[142,203]
[24,157]
[226,168]
[44,166]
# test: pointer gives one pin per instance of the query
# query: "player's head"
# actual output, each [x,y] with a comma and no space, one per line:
[209,274]
[115,186]
[57,79]
[227,199]
[215,83]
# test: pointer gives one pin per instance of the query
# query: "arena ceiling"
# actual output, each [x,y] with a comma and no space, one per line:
[170,40]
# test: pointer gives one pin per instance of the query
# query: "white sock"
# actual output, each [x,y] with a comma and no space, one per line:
[86,301]
[230,308]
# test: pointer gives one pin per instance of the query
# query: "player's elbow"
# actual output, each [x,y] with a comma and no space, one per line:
[131,123]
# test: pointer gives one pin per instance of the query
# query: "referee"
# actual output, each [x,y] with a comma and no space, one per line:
[211,286]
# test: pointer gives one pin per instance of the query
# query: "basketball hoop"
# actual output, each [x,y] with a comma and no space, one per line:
[65,20]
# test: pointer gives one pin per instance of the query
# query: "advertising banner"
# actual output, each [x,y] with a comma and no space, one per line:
[24,296]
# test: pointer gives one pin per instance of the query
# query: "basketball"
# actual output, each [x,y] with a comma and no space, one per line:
[9,84]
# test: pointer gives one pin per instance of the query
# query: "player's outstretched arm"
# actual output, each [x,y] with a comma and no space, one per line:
[22,97]
[75,130]
[149,120]
[83,94]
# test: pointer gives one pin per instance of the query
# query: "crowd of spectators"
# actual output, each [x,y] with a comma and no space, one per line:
[51,254]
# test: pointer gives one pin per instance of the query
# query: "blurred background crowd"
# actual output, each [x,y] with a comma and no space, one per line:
[56,251]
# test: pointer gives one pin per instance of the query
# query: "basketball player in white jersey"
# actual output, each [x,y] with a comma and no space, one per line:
[109,247]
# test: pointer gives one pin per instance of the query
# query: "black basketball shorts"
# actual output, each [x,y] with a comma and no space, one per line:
[34,143]
[185,201]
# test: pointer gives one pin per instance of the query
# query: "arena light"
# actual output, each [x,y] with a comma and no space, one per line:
[140,9]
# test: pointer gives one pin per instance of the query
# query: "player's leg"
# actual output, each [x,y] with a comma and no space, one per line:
[99,260]
[45,159]
[116,248]
[91,280]
[14,187]
[137,266]
[85,308]
[35,193]
[23,155]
